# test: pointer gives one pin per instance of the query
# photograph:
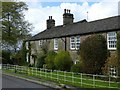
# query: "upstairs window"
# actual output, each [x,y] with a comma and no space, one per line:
[55,44]
[72,43]
[40,42]
[75,43]
[111,40]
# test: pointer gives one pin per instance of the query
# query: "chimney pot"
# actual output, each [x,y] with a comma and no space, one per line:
[67,17]
[64,10]
[69,11]
[50,22]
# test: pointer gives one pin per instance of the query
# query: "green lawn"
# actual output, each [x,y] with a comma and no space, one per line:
[66,78]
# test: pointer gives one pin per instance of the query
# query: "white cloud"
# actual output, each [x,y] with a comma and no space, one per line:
[38,15]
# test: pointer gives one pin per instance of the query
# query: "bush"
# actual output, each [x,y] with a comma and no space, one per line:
[63,61]
[76,68]
[6,57]
[42,55]
[111,61]
[49,60]
[40,61]
[93,53]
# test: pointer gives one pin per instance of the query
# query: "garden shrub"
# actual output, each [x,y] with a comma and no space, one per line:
[63,61]
[41,56]
[112,61]
[40,61]
[76,68]
[49,60]
[93,53]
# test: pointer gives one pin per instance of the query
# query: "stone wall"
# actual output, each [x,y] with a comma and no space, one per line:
[36,49]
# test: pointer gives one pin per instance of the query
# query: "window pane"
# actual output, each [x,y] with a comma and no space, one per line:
[56,44]
[111,40]
[72,43]
[77,42]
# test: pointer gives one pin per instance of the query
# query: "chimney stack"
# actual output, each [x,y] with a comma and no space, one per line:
[50,22]
[67,17]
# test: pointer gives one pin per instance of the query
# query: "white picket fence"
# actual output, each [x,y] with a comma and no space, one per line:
[78,79]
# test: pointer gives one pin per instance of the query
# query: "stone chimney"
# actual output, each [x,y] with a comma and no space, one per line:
[67,17]
[50,22]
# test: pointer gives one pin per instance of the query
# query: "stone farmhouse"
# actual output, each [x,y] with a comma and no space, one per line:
[69,35]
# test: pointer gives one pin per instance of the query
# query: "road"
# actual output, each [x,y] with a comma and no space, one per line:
[13,82]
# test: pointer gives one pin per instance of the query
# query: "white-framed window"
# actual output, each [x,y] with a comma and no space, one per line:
[40,42]
[72,43]
[111,40]
[75,43]
[55,44]
[27,57]
[76,61]
[27,45]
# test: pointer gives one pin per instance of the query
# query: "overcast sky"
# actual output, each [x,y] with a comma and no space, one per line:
[39,11]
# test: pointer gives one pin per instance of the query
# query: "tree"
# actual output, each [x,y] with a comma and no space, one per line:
[93,53]
[63,61]
[14,27]
[118,51]
[118,44]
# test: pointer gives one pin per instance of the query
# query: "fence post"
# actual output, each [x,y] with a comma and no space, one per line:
[51,74]
[40,72]
[72,77]
[36,72]
[57,75]
[31,70]
[45,73]
[93,80]
[81,79]
[64,76]
[109,81]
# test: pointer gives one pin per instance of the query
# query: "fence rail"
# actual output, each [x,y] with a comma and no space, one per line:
[78,79]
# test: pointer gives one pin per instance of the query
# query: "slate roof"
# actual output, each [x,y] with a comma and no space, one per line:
[80,28]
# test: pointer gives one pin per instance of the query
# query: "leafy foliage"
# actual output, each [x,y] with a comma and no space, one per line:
[93,53]
[14,27]
[76,68]
[6,57]
[63,61]
[118,44]
[111,61]
[118,51]
[41,56]
[49,60]
[40,61]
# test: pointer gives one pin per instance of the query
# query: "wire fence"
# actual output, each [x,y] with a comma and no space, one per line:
[76,79]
